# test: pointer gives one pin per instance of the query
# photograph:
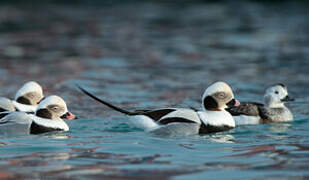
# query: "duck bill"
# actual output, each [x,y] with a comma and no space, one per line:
[287,99]
[237,103]
[233,103]
[68,116]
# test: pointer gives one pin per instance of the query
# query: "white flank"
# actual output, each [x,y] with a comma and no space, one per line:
[177,128]
[143,122]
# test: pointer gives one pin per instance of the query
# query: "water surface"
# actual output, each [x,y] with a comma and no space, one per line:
[151,55]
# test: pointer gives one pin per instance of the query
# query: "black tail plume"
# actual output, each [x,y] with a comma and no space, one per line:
[104,102]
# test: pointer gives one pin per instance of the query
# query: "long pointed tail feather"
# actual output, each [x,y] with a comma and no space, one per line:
[105,103]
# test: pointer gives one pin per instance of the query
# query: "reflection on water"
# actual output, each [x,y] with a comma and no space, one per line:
[279,127]
[222,138]
[56,135]
[151,55]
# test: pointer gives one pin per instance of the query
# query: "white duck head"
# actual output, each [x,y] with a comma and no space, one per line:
[54,108]
[276,95]
[30,93]
[218,96]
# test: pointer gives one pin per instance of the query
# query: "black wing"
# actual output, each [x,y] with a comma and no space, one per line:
[246,108]
[155,114]
[175,120]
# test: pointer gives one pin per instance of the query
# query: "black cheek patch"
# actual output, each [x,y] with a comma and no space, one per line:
[210,103]
[44,113]
[23,100]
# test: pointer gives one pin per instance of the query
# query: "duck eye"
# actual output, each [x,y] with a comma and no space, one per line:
[276,92]
[55,108]
[221,95]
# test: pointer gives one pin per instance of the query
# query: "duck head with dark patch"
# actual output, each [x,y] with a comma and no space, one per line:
[30,93]
[54,107]
[218,96]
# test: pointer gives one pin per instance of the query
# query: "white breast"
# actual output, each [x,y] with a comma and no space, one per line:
[55,124]
[217,118]
[286,115]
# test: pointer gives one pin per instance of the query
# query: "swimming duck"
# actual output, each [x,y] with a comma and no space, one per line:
[213,117]
[273,109]
[47,117]
[26,98]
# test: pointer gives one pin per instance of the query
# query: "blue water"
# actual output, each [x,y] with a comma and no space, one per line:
[115,150]
[167,57]
[101,144]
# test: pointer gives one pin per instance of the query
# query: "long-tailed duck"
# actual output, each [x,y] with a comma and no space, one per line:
[48,117]
[26,98]
[273,109]
[212,119]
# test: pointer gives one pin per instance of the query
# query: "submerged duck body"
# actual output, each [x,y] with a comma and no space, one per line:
[213,118]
